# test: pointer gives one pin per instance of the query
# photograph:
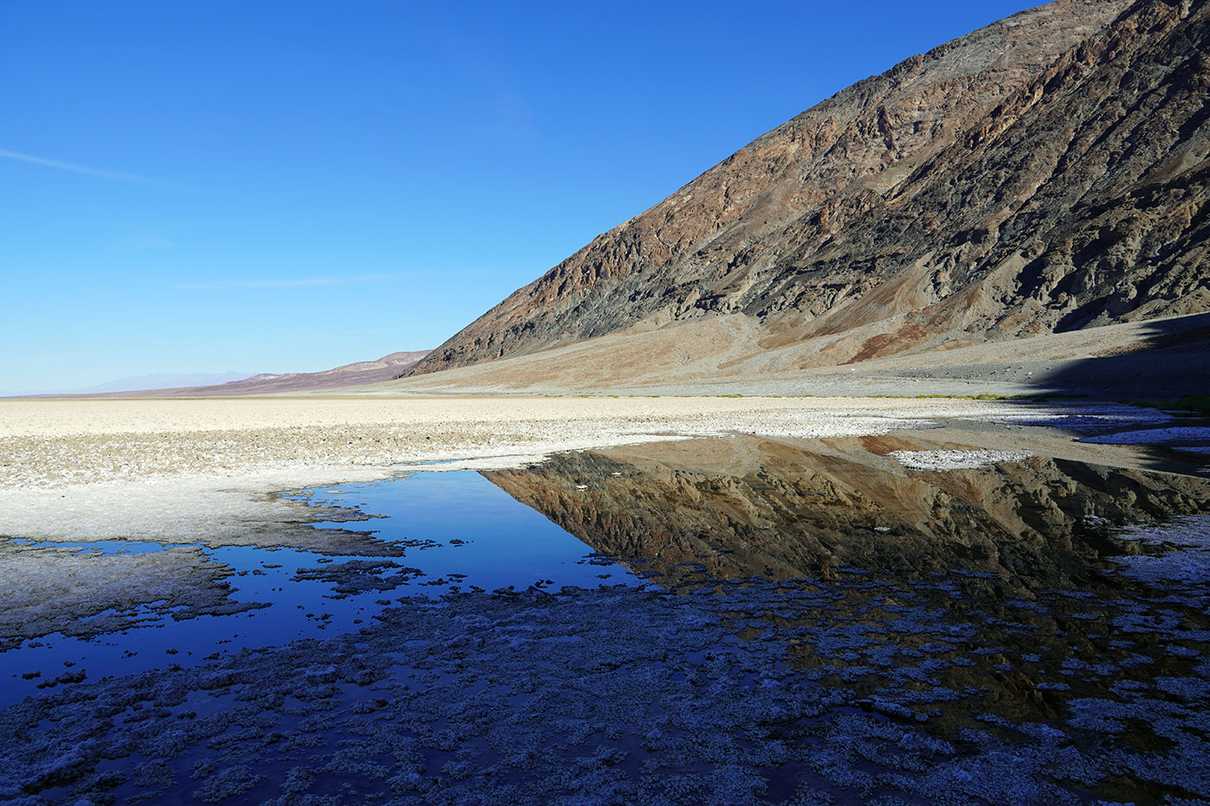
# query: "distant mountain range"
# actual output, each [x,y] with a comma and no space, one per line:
[957,220]
[355,374]
[240,384]
[1046,173]
[163,380]
[233,383]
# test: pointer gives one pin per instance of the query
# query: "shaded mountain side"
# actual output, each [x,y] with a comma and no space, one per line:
[355,374]
[752,506]
[1046,173]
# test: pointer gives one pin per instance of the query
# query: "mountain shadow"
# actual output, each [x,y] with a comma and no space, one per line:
[1171,361]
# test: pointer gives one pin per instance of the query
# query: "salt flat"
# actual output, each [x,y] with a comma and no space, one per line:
[58,442]
[207,469]
[108,640]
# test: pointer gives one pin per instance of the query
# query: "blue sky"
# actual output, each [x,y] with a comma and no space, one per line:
[199,187]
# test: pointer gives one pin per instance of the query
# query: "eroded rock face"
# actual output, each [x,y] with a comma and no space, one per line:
[788,511]
[1045,173]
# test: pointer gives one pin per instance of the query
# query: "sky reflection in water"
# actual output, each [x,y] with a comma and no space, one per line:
[454,523]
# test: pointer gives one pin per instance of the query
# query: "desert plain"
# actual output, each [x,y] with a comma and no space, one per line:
[192,583]
[97,468]
[209,467]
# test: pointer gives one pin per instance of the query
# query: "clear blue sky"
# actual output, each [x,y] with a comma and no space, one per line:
[284,186]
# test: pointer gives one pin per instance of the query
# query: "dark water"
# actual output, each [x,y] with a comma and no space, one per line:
[720,621]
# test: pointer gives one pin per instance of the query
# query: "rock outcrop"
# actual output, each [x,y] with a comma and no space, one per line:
[1046,173]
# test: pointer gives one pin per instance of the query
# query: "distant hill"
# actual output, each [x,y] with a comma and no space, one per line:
[1044,174]
[163,380]
[360,372]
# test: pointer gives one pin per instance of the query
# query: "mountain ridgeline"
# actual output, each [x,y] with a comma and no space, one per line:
[1043,174]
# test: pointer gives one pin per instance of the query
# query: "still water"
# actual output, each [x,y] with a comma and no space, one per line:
[720,620]
[454,530]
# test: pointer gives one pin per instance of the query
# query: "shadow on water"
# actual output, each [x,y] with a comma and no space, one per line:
[1166,369]
[800,622]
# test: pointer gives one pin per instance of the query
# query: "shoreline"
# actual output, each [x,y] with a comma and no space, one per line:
[792,575]
[214,470]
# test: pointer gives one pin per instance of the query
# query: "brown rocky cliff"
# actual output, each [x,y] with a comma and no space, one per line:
[1047,172]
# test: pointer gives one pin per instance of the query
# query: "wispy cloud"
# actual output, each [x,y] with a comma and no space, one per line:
[70,167]
[286,283]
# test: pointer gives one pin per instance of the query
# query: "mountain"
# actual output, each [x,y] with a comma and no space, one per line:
[361,372]
[1045,174]
[163,380]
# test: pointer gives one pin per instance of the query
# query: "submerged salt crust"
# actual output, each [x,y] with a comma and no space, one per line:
[121,606]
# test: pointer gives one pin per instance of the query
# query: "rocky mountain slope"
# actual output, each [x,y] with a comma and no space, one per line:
[1046,173]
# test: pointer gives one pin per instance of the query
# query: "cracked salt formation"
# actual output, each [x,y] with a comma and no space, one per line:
[84,593]
[1176,554]
[763,691]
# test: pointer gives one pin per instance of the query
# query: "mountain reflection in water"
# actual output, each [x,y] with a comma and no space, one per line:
[992,606]
[759,507]
[806,622]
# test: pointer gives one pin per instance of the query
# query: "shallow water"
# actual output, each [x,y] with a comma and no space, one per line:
[478,530]
[457,532]
[724,620]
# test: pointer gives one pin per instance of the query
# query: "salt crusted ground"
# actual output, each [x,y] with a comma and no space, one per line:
[943,690]
[188,470]
[83,593]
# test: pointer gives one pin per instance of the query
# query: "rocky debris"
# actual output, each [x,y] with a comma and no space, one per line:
[1046,173]
[956,459]
[325,674]
[892,709]
[64,679]
[65,766]
[360,576]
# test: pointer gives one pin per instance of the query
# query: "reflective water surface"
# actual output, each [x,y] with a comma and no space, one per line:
[450,531]
[703,621]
